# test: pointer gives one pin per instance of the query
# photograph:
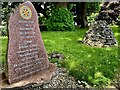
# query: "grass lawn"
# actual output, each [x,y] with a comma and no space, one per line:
[97,66]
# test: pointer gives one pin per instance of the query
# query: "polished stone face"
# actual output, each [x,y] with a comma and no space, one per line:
[26,51]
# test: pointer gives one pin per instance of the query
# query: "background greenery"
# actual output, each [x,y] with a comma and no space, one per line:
[96,66]
[59,21]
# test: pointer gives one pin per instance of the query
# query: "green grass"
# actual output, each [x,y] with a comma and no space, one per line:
[3,49]
[82,61]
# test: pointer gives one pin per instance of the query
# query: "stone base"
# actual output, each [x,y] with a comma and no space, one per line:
[41,77]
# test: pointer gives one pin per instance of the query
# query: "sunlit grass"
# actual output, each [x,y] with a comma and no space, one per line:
[81,60]
[3,49]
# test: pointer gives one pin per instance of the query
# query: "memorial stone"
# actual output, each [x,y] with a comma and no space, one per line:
[26,52]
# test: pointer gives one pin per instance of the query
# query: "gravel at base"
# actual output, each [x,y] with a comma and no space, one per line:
[61,80]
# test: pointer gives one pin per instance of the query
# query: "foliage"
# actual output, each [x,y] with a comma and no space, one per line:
[91,18]
[70,6]
[42,20]
[61,19]
[99,80]
[6,9]
[3,30]
[118,21]
[92,7]
[96,66]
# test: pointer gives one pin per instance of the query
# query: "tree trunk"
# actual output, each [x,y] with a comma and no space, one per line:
[0,20]
[39,9]
[78,11]
[1,12]
[81,14]
[61,4]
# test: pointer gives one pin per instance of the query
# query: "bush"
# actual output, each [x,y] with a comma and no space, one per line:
[91,18]
[41,20]
[3,31]
[99,80]
[61,19]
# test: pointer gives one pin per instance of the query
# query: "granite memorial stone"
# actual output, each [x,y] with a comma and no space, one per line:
[26,52]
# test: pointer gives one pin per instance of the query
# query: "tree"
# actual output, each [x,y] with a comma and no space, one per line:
[82,10]
[81,18]
[83,15]
[40,9]
[61,4]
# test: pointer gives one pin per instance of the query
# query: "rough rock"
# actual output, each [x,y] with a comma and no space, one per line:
[56,55]
[61,80]
[110,13]
[100,35]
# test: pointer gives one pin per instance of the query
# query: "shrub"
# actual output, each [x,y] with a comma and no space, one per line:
[61,19]
[91,18]
[99,80]
[3,30]
[41,20]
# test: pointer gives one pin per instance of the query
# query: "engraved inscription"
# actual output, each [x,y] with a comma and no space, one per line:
[28,54]
[28,73]
[26,28]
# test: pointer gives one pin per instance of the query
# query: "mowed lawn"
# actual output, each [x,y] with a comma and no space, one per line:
[81,61]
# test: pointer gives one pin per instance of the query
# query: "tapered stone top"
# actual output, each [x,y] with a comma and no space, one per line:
[26,52]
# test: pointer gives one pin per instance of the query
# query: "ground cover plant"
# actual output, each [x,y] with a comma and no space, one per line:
[96,66]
